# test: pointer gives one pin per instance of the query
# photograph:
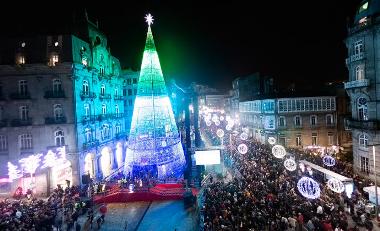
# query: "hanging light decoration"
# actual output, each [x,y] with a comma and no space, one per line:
[328,160]
[217,123]
[208,123]
[271,140]
[335,185]
[290,164]
[228,127]
[278,151]
[221,118]
[215,118]
[242,148]
[220,133]
[243,136]
[308,188]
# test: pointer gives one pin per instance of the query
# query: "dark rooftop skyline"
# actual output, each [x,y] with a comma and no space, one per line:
[212,43]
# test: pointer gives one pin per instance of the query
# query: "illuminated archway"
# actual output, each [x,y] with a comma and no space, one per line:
[89,164]
[105,161]
[119,154]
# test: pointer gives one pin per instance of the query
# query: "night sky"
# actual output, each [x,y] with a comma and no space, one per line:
[211,43]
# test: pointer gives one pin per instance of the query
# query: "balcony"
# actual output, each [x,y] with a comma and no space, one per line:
[54,94]
[361,124]
[55,120]
[90,144]
[355,57]
[118,97]
[21,122]
[87,94]
[17,95]
[105,96]
[356,84]
[88,118]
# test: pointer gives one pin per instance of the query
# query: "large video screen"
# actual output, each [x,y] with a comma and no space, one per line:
[208,157]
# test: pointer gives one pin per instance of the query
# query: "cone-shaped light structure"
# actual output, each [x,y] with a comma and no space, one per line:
[154,145]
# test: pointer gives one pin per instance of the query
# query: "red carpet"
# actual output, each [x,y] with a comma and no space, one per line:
[159,192]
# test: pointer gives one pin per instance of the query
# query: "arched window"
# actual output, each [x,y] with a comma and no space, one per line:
[26,141]
[104,109]
[297,121]
[58,112]
[87,111]
[116,109]
[24,113]
[3,143]
[85,87]
[329,120]
[313,120]
[359,72]
[117,128]
[281,121]
[105,132]
[59,138]
[116,92]
[57,85]
[22,87]
[88,134]
[363,140]
[103,90]
[362,108]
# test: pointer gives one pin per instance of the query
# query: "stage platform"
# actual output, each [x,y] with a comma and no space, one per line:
[156,193]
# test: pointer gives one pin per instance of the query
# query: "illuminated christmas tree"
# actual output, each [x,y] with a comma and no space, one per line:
[154,145]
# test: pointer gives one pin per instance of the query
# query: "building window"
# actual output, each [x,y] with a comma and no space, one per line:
[103,90]
[57,85]
[23,87]
[26,141]
[134,80]
[54,58]
[298,140]
[59,138]
[88,134]
[135,91]
[129,92]
[105,132]
[85,87]
[359,72]
[130,102]
[124,92]
[117,109]
[281,121]
[24,113]
[313,120]
[282,140]
[330,138]
[101,70]
[58,112]
[3,143]
[116,92]
[20,60]
[362,109]
[297,121]
[363,140]
[117,128]
[364,164]
[87,111]
[314,138]
[129,81]
[104,109]
[358,47]
[329,120]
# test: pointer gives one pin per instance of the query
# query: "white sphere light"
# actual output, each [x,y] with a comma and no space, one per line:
[335,185]
[221,118]
[220,133]
[242,148]
[279,151]
[271,140]
[217,123]
[329,161]
[243,136]
[290,164]
[308,188]
[208,123]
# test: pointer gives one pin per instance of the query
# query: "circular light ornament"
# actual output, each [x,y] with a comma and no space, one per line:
[243,136]
[271,140]
[328,160]
[242,148]
[221,118]
[290,164]
[228,127]
[207,119]
[217,123]
[220,133]
[278,151]
[308,188]
[215,118]
[208,123]
[335,185]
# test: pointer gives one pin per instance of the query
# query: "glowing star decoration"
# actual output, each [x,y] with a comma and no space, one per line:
[328,160]
[290,164]
[13,172]
[242,148]
[208,123]
[279,151]
[243,136]
[271,140]
[220,133]
[335,185]
[149,19]
[31,163]
[50,160]
[308,188]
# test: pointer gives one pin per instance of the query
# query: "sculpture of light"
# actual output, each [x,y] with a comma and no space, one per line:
[208,123]
[243,136]
[220,133]
[271,140]
[119,154]
[335,185]
[50,160]
[217,123]
[152,122]
[328,160]
[31,163]
[278,151]
[290,164]
[308,188]
[242,148]
[13,172]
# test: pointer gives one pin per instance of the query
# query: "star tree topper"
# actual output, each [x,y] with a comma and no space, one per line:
[149,19]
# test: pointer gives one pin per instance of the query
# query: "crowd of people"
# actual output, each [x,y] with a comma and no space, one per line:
[263,195]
